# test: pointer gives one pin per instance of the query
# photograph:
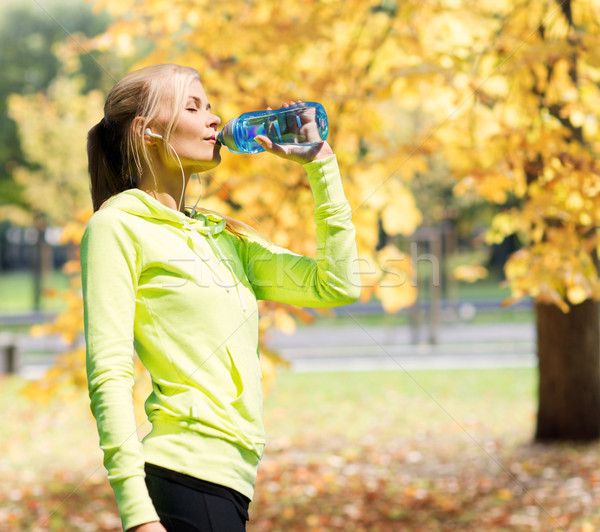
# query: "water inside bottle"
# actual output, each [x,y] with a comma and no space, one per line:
[298,126]
[302,123]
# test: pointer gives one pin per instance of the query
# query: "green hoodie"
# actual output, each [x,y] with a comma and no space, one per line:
[183,291]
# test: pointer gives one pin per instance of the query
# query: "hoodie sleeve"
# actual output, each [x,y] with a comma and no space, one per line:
[330,279]
[110,269]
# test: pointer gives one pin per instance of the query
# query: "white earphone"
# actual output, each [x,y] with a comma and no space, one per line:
[150,134]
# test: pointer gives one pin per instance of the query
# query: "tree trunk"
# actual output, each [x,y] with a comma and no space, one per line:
[42,261]
[569,372]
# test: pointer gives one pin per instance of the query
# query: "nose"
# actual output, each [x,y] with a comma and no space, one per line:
[214,121]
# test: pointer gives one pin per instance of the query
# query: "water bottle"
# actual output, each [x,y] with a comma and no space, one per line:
[302,123]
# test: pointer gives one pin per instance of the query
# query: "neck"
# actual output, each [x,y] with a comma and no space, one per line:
[166,198]
[167,187]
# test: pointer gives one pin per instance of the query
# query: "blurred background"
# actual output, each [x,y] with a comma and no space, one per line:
[462,392]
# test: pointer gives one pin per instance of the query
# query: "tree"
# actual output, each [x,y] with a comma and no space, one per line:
[526,137]
[50,125]
[28,37]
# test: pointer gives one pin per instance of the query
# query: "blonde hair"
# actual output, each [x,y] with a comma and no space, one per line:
[116,151]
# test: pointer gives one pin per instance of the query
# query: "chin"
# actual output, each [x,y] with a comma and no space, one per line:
[205,166]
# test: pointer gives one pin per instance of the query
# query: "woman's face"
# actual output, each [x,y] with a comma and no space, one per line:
[194,138]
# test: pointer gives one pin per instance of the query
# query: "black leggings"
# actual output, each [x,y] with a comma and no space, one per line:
[184,509]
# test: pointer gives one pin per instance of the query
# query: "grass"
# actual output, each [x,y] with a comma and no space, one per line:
[320,407]
[484,289]
[396,404]
[421,451]
[17,291]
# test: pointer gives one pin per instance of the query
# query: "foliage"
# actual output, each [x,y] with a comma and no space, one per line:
[469,273]
[29,35]
[51,128]
[68,375]
[523,133]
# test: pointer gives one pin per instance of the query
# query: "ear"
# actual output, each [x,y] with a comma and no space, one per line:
[138,126]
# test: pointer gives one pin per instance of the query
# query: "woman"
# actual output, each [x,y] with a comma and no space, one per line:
[181,286]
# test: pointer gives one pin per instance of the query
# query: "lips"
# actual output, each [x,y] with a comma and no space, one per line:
[212,139]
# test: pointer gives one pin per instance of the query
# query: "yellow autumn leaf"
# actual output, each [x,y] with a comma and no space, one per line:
[284,322]
[397,288]
[505,494]
[395,295]
[494,186]
[38,330]
[370,273]
[550,296]
[577,294]
[469,273]
[72,267]
[577,117]
[503,225]
[518,264]
[391,258]
[401,215]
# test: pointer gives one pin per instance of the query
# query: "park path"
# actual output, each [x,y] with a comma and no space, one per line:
[357,346]
[363,347]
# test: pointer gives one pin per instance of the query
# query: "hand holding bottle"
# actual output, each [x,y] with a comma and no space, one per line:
[303,126]
[296,131]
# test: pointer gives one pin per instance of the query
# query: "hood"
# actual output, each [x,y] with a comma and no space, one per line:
[137,202]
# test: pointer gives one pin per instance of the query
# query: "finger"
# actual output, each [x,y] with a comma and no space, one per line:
[265,142]
[269,145]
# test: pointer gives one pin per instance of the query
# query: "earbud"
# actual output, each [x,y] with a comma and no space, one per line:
[150,134]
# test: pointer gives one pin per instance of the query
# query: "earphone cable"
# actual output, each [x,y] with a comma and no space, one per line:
[198,200]
[182,175]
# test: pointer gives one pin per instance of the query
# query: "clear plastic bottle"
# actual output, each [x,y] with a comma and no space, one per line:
[301,123]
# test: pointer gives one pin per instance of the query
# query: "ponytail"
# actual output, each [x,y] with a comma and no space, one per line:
[108,173]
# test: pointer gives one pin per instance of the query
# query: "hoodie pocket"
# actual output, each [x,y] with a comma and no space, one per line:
[248,404]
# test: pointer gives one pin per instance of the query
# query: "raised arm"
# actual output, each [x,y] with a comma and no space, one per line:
[330,279]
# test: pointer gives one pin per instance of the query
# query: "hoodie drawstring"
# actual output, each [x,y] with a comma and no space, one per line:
[236,283]
[215,248]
